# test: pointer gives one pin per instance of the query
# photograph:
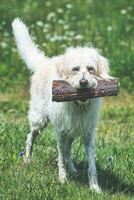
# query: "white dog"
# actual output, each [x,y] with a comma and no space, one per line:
[79,66]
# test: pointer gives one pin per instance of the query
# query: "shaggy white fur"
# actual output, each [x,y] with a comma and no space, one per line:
[70,119]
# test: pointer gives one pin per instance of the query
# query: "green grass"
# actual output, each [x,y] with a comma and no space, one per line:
[39,180]
[55,25]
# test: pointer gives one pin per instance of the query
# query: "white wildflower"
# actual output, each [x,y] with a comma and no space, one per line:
[79,37]
[109,28]
[39,23]
[32,25]
[3,45]
[123,12]
[71,33]
[44,44]
[63,46]
[45,30]
[69,6]
[60,21]
[48,3]
[14,50]
[52,39]
[48,36]
[66,26]
[47,26]
[60,10]
[50,16]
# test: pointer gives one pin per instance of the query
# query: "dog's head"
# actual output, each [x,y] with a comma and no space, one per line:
[81,67]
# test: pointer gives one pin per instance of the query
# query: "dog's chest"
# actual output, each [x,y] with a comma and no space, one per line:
[79,122]
[75,120]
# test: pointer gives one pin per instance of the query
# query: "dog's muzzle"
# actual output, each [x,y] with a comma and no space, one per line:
[83,83]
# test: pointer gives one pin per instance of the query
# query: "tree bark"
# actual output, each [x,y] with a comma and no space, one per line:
[63,91]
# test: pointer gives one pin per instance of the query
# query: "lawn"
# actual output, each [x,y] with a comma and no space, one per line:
[55,25]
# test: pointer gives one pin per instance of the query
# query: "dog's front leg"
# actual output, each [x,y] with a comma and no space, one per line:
[89,143]
[29,144]
[61,146]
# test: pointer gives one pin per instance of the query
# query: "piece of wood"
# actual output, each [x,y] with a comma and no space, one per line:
[63,91]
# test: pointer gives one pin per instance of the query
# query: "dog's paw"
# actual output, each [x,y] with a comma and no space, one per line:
[62,176]
[63,179]
[26,159]
[95,188]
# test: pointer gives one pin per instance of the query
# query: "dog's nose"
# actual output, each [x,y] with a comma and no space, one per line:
[83,82]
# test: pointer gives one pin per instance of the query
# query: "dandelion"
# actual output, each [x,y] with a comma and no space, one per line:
[109,28]
[69,6]
[44,44]
[47,26]
[52,39]
[59,10]
[60,21]
[79,37]
[124,43]
[71,33]
[48,3]
[123,12]
[50,16]
[32,25]
[39,23]
[14,50]
[45,30]
[3,45]
[66,26]
[48,36]
[63,46]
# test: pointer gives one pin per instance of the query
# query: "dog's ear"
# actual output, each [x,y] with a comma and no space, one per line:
[103,67]
[61,67]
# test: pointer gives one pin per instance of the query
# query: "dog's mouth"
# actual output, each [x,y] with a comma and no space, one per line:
[82,102]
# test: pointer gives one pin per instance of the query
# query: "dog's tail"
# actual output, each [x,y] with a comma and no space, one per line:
[29,52]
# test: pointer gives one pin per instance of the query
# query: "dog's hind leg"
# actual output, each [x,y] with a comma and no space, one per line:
[38,120]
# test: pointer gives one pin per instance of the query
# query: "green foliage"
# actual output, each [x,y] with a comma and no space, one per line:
[56,25]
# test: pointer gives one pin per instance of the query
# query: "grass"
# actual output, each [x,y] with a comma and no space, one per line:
[39,180]
[55,25]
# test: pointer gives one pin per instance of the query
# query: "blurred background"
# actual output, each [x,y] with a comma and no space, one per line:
[55,25]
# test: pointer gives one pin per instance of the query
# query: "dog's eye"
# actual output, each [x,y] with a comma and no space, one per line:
[91,69]
[76,69]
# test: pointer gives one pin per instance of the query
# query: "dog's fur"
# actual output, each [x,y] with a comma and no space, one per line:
[70,119]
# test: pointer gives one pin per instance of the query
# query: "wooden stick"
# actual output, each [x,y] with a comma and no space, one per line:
[63,91]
